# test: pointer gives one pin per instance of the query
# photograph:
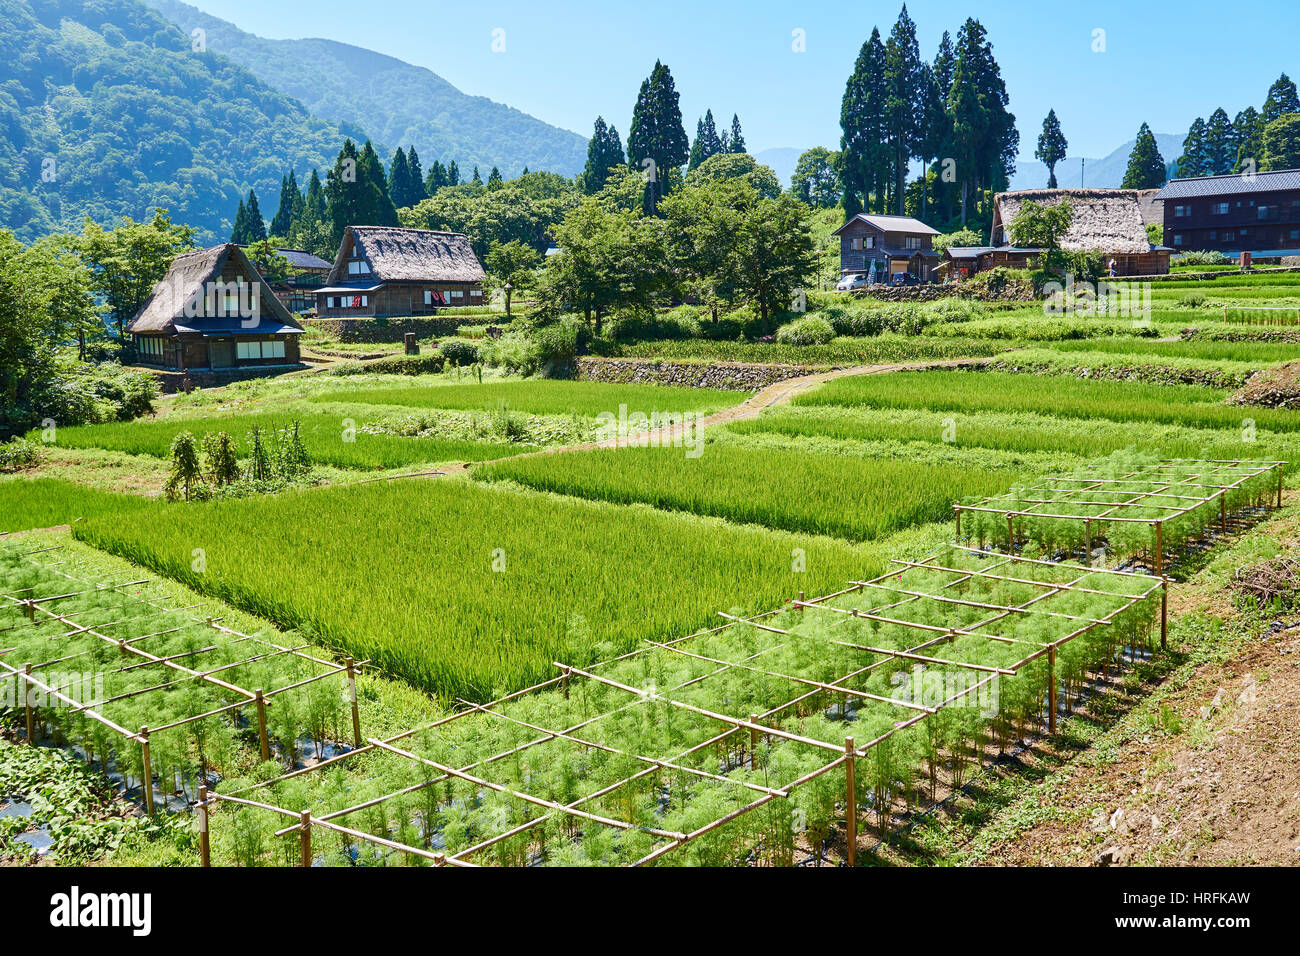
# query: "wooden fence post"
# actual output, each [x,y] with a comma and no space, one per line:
[1160,548]
[27,705]
[263,743]
[851,807]
[1164,614]
[1223,510]
[205,848]
[305,837]
[957,509]
[29,609]
[352,696]
[753,743]
[146,768]
[1051,689]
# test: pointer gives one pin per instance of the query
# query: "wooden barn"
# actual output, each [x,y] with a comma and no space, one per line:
[1109,222]
[390,271]
[213,311]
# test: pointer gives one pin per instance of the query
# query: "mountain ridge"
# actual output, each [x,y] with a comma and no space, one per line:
[398,103]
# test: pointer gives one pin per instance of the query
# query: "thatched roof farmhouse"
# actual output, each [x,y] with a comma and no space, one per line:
[214,311]
[391,271]
[1109,222]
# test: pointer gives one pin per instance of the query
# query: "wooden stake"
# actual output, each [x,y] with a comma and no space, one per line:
[1051,689]
[352,696]
[205,848]
[147,783]
[305,837]
[1223,510]
[1164,615]
[261,725]
[1011,534]
[29,608]
[27,706]
[851,806]
[801,608]
[1160,548]
[753,743]
[958,511]
[1087,543]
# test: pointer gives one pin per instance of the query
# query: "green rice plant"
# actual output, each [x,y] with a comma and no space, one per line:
[788,489]
[1018,432]
[1190,405]
[467,589]
[27,503]
[544,397]
[328,439]
[871,350]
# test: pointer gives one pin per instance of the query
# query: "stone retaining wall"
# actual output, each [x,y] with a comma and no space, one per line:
[171,382]
[368,331]
[723,375]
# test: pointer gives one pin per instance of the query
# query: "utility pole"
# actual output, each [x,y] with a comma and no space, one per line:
[1081,164]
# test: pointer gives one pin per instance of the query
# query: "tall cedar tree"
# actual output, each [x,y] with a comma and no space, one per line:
[656,142]
[357,191]
[604,152]
[707,142]
[864,162]
[984,138]
[453,174]
[1282,99]
[256,224]
[416,172]
[494,180]
[476,179]
[736,141]
[934,128]
[399,179]
[1146,167]
[945,62]
[315,207]
[1195,160]
[436,179]
[1282,143]
[903,112]
[384,213]
[1051,146]
[239,231]
[1249,125]
[1220,143]
[290,204]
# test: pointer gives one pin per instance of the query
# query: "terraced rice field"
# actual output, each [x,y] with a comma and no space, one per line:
[787,489]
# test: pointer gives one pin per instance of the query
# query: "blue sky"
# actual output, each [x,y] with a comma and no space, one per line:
[568,60]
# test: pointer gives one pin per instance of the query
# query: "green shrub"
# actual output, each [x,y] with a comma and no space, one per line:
[1201,257]
[459,353]
[806,331]
[18,454]
[1192,300]
[397,365]
[680,323]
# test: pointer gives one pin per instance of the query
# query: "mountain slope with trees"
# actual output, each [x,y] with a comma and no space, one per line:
[397,103]
[107,110]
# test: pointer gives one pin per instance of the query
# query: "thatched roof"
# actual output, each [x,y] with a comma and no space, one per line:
[181,295]
[1105,220]
[409,255]
[1153,208]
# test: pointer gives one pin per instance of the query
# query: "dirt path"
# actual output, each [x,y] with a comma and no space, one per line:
[779,393]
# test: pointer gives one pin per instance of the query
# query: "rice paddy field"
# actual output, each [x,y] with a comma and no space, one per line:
[472,585]
[589,399]
[470,590]
[1132,402]
[788,489]
[330,438]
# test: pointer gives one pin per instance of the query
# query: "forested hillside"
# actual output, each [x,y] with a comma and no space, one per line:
[399,104]
[107,110]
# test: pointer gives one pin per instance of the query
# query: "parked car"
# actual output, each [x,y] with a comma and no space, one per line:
[904,278]
[857,280]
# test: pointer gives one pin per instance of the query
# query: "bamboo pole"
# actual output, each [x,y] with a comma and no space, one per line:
[1160,547]
[205,846]
[352,697]
[851,804]
[1164,615]
[1223,511]
[753,742]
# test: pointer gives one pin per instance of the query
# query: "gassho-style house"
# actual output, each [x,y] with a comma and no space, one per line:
[214,311]
[388,271]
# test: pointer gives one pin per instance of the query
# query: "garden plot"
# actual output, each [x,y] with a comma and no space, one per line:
[762,740]
[156,696]
[1137,506]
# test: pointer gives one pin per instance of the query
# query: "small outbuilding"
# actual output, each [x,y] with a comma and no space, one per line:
[213,311]
[390,271]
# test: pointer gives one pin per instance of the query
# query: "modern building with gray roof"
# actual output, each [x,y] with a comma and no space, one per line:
[1257,213]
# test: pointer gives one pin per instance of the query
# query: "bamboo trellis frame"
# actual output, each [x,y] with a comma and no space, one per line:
[27,677]
[765,725]
[1149,488]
